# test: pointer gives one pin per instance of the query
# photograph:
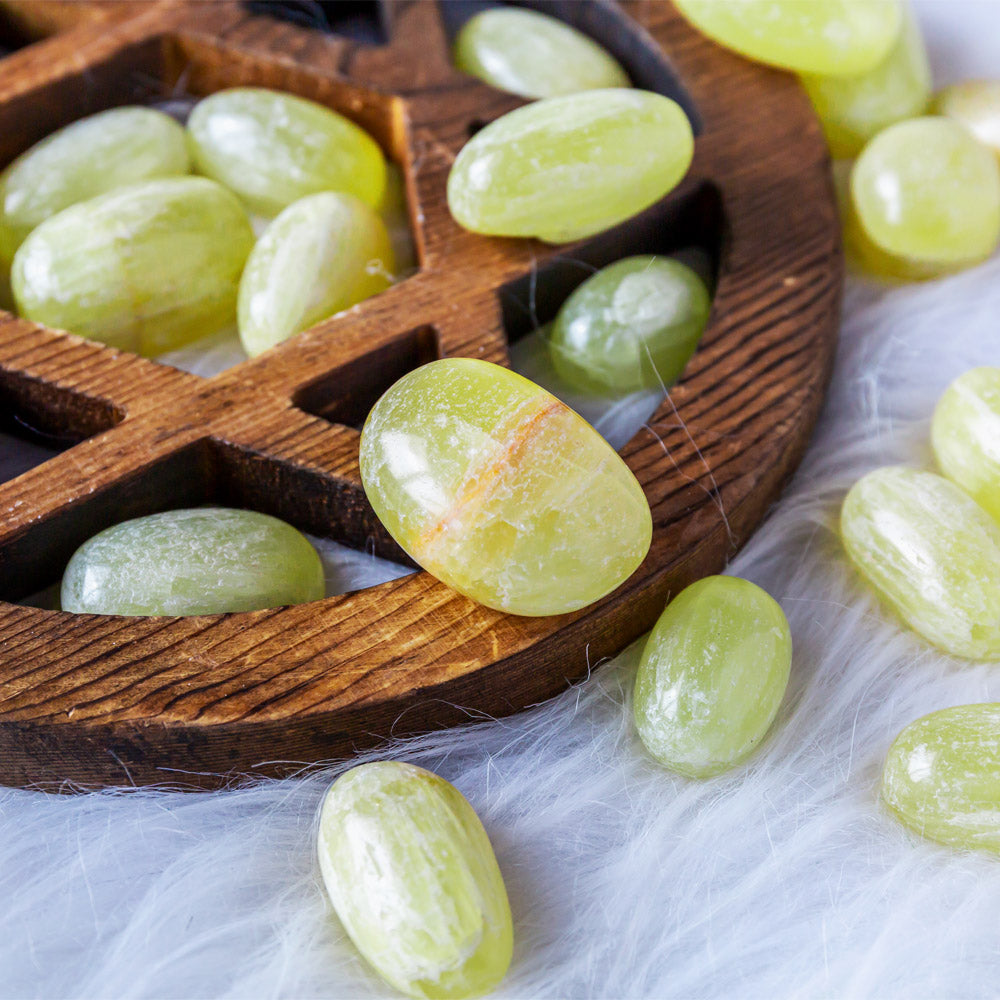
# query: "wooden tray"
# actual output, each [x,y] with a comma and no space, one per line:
[93,700]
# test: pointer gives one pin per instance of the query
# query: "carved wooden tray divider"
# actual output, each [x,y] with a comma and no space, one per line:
[92,700]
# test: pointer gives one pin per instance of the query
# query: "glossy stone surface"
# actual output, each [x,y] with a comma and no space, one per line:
[976,105]
[86,158]
[320,255]
[927,192]
[533,55]
[565,168]
[853,109]
[201,561]
[145,268]
[633,325]
[500,490]
[413,878]
[965,435]
[931,553]
[712,675]
[942,776]
[842,37]
[273,148]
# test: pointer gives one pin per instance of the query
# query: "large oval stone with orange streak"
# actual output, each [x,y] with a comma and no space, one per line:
[500,490]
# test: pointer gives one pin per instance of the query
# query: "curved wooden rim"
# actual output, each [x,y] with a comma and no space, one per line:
[101,700]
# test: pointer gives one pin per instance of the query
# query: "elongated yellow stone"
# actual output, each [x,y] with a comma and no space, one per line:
[145,268]
[833,37]
[86,158]
[712,675]
[965,435]
[534,55]
[976,105]
[942,776]
[567,167]
[273,148]
[323,253]
[852,109]
[932,553]
[413,878]
[500,490]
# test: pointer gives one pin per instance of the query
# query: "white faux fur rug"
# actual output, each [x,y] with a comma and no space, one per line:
[784,879]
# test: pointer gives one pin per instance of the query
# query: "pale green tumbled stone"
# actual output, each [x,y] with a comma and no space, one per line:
[565,168]
[202,561]
[976,105]
[942,776]
[633,325]
[965,435]
[273,148]
[932,553]
[323,253]
[145,268]
[842,37]
[413,878]
[86,158]
[500,490]
[712,676]
[534,55]
[852,109]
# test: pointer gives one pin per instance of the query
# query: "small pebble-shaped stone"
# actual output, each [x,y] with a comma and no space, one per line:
[145,268]
[633,325]
[976,105]
[500,490]
[565,168]
[942,776]
[852,109]
[842,37]
[928,193]
[273,148]
[965,435]
[712,676]
[86,158]
[322,254]
[201,561]
[413,878]
[533,55]
[932,553]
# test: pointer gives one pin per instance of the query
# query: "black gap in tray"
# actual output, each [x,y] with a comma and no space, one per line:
[360,20]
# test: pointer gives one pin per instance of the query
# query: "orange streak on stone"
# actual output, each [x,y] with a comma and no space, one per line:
[476,485]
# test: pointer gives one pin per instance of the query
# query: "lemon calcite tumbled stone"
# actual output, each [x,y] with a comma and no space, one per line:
[413,878]
[200,561]
[942,776]
[932,553]
[500,490]
[567,167]
[976,105]
[712,675]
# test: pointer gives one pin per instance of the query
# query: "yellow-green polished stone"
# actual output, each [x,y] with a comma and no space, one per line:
[86,158]
[273,148]
[323,253]
[942,776]
[832,37]
[567,167]
[201,561]
[413,878]
[852,109]
[712,676]
[965,435]
[145,268]
[534,55]
[932,553]
[500,490]
[633,325]
[976,105]
[928,193]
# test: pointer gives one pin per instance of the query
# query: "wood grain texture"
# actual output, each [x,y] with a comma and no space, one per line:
[94,700]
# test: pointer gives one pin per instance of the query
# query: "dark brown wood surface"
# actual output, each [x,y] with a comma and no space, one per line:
[94,700]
